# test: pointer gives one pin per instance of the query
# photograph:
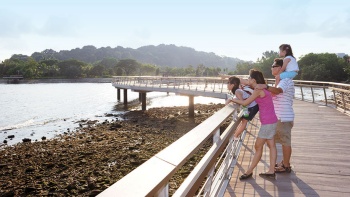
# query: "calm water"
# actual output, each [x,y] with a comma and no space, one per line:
[37,110]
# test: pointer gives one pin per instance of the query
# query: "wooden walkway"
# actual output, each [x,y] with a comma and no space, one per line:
[320,159]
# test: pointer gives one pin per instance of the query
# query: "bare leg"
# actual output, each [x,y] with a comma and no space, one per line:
[241,128]
[273,155]
[259,145]
[287,153]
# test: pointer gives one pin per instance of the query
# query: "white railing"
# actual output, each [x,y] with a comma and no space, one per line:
[152,177]
[212,173]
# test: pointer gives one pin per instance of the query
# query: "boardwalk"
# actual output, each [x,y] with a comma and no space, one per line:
[320,158]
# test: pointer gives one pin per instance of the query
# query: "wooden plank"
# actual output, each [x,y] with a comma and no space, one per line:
[320,163]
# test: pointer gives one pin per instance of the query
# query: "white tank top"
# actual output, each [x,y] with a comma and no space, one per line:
[292,65]
[245,96]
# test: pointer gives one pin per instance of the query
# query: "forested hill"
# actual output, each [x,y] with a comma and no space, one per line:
[161,55]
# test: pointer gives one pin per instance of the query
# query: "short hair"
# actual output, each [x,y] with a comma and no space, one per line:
[279,61]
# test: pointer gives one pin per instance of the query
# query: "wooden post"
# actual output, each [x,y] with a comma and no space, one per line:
[140,96]
[312,93]
[143,99]
[191,106]
[118,94]
[125,98]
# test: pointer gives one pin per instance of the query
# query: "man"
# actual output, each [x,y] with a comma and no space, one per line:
[283,103]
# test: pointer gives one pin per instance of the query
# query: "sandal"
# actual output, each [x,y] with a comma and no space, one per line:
[245,176]
[279,164]
[283,168]
[268,175]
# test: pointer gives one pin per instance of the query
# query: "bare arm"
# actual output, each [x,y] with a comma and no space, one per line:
[271,89]
[284,66]
[246,102]
[243,81]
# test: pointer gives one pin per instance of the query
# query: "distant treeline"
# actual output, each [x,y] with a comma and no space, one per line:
[182,61]
[313,67]
[106,61]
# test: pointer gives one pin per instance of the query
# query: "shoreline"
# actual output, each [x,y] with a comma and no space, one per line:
[91,159]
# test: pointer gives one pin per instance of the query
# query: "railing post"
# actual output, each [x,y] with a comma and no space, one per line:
[312,93]
[163,192]
[343,99]
[302,94]
[335,99]
[325,95]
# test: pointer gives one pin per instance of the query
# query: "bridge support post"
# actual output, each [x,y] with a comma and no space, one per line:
[125,98]
[191,106]
[143,98]
[140,96]
[118,94]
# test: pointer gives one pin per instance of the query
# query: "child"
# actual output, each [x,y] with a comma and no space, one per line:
[268,121]
[290,66]
[253,108]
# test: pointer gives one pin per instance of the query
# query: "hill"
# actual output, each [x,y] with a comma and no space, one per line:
[161,55]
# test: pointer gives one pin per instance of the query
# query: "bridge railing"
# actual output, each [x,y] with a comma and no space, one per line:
[325,93]
[212,172]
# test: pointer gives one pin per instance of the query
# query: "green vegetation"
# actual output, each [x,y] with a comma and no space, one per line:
[92,62]
[313,67]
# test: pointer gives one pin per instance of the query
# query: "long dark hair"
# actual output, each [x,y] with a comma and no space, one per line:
[236,81]
[257,75]
[288,49]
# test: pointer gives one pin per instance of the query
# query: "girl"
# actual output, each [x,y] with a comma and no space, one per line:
[290,66]
[268,121]
[233,85]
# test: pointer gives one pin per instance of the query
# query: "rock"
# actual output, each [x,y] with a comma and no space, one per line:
[5,141]
[11,136]
[26,140]
[43,138]
[94,193]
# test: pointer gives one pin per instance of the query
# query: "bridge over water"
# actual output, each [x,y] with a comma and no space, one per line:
[320,162]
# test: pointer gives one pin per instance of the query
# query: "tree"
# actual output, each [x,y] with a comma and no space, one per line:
[71,68]
[322,67]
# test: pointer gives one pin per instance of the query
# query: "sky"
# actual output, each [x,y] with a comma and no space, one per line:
[242,29]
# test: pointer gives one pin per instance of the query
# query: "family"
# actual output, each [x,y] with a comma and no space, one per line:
[275,105]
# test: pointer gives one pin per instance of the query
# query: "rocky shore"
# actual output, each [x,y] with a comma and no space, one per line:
[87,161]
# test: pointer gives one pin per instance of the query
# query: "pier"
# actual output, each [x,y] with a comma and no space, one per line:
[320,143]
[13,78]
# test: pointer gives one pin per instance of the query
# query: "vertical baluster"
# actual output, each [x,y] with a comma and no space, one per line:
[343,99]
[163,192]
[335,99]
[302,94]
[325,95]
[312,93]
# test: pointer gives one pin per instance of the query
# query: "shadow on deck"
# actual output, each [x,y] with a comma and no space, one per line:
[320,160]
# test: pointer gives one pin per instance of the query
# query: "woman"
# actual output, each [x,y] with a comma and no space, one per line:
[268,121]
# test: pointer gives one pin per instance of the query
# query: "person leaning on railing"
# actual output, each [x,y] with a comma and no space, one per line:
[268,121]
[283,103]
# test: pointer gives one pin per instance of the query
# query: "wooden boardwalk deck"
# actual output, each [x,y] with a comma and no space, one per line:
[320,159]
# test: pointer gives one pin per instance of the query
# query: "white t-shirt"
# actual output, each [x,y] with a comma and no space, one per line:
[245,95]
[292,65]
[283,102]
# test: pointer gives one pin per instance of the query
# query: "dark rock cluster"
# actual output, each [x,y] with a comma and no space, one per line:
[90,159]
